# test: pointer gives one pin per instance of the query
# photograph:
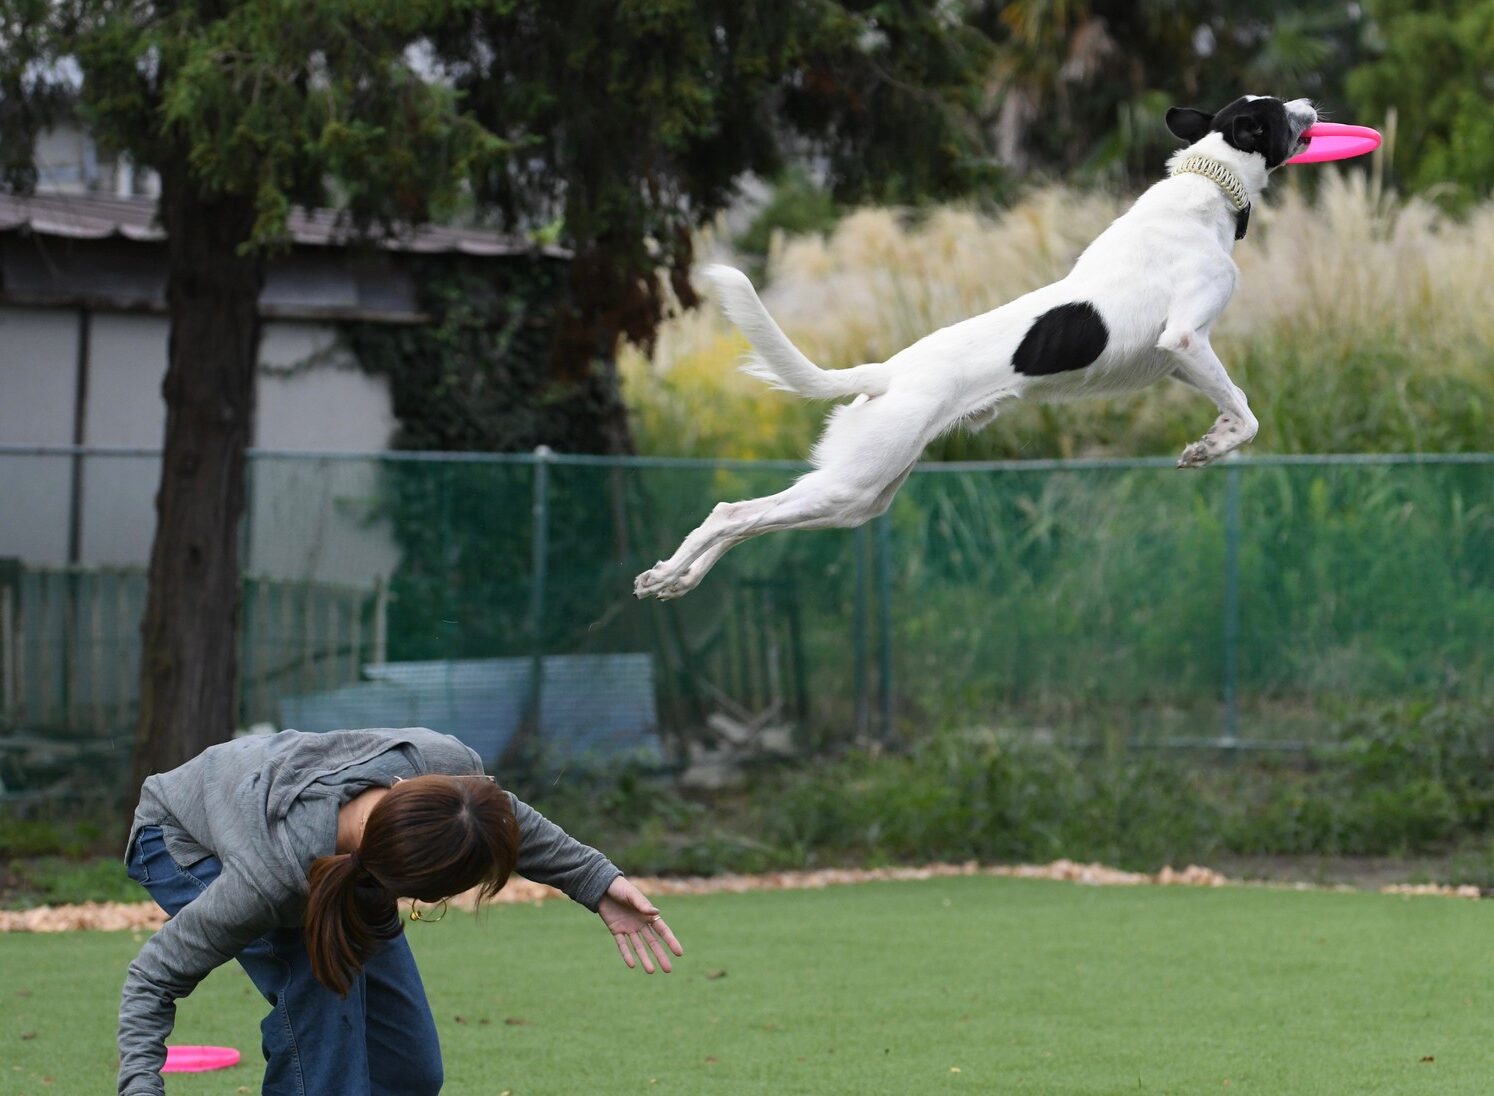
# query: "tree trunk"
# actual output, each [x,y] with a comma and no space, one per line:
[189,656]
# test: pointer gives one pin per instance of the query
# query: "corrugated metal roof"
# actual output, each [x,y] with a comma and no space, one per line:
[92,217]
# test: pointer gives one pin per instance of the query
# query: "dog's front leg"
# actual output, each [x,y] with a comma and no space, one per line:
[1199,367]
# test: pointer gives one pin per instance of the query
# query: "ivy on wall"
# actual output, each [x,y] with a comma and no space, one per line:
[482,376]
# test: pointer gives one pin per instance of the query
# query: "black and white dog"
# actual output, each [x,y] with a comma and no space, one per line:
[1137,307]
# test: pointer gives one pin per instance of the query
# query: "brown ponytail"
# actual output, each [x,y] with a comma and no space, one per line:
[429,838]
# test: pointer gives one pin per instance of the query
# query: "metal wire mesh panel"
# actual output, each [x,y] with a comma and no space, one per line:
[1122,601]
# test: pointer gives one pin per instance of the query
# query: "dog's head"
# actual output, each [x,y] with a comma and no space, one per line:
[1253,124]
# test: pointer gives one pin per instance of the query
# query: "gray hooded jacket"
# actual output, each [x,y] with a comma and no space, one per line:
[266,807]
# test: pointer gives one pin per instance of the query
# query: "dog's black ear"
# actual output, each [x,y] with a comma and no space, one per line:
[1187,123]
[1245,133]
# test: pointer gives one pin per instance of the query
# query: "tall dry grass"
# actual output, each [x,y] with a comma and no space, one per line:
[1363,323]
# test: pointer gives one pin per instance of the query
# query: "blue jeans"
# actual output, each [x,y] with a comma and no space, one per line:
[378,1041]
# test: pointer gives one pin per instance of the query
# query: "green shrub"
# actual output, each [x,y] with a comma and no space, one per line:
[1404,779]
[61,836]
[51,880]
[992,798]
[797,207]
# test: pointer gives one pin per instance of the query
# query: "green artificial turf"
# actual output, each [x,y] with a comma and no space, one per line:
[969,984]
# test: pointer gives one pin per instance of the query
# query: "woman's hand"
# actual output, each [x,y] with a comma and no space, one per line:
[634,922]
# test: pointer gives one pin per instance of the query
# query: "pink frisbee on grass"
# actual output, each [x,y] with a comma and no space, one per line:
[199,1059]
[1336,141]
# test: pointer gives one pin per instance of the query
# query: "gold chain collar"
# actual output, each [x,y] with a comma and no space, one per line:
[1222,175]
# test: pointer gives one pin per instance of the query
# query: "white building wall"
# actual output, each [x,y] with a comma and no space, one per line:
[127,359]
[68,162]
[333,407]
[316,519]
[38,364]
[307,520]
[126,364]
[38,367]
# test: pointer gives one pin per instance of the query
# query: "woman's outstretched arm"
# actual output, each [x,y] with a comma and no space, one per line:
[549,855]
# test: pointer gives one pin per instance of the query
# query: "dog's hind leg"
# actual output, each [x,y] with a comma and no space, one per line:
[688,579]
[867,451]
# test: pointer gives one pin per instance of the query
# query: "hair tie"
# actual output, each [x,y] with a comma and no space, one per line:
[353,860]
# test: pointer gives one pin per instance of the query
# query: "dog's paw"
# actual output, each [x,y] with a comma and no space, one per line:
[1196,455]
[649,583]
[666,584]
[660,582]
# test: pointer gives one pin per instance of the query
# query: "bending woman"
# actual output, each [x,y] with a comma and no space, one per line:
[287,852]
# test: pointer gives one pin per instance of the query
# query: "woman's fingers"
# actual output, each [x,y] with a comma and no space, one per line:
[641,952]
[622,949]
[656,945]
[663,930]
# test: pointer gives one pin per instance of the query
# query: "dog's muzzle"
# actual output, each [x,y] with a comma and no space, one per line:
[1303,116]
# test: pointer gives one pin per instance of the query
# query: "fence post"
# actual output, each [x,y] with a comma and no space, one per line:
[126,624]
[860,711]
[539,552]
[355,639]
[884,622]
[96,652]
[380,621]
[10,636]
[1231,600]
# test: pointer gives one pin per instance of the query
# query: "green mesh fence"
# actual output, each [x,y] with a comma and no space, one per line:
[1254,603]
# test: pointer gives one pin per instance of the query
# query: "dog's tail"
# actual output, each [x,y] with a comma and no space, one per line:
[777,360]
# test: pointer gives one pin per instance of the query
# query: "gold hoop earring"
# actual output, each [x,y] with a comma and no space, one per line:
[416,915]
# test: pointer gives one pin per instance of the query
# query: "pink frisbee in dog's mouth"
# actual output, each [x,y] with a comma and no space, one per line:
[1335,141]
[199,1059]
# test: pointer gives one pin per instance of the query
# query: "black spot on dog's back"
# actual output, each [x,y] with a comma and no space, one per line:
[1062,339]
